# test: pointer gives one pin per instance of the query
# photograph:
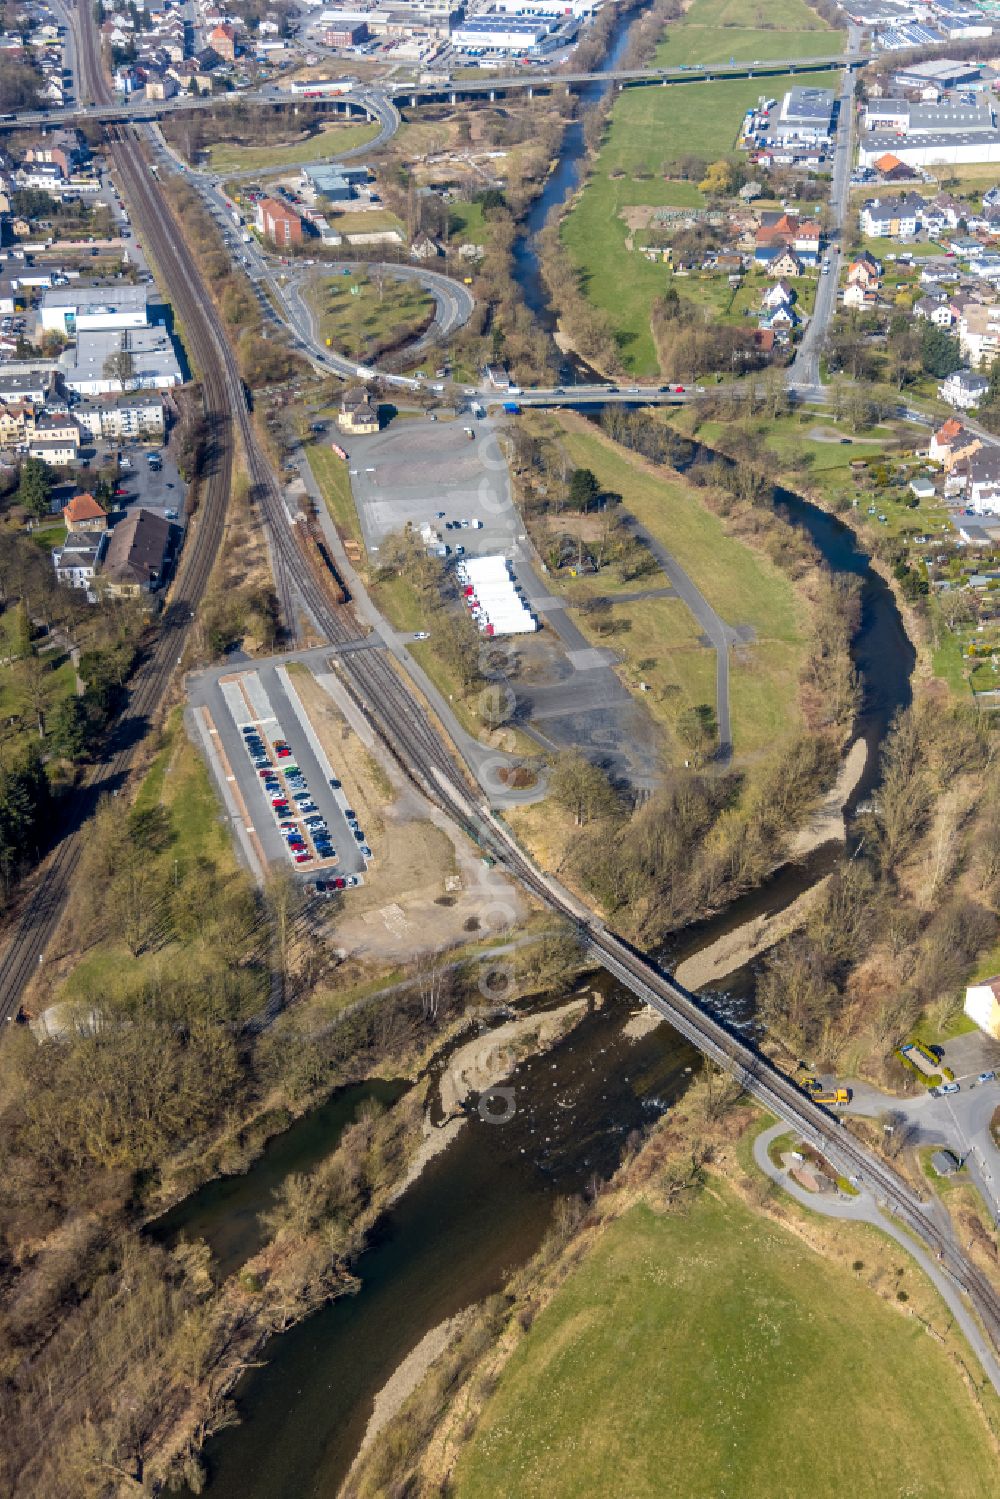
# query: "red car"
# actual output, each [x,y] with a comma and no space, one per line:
[339,883]
[282,751]
[678,390]
[303,858]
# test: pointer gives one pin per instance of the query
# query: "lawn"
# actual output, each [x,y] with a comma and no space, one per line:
[357,318]
[330,473]
[660,641]
[710,1352]
[650,129]
[366,221]
[330,141]
[466,225]
[198,838]
[717,30]
[743,587]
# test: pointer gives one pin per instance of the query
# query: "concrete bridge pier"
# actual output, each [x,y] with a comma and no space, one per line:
[413,101]
[493,95]
[454,98]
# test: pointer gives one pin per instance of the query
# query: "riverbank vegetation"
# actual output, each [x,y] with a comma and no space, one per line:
[182,1017]
[910,917]
[704,838]
[733,1305]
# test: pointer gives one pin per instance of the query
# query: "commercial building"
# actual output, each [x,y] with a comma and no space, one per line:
[153,361]
[938,73]
[933,150]
[345,34]
[339,184]
[806,114]
[912,119]
[278,223]
[72,309]
[498,33]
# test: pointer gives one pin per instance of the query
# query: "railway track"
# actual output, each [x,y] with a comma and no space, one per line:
[406,728]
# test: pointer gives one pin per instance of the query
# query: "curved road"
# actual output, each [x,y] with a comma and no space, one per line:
[864,1209]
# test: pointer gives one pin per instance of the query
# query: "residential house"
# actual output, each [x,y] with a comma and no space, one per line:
[782,318]
[83,513]
[781,294]
[222,41]
[57,451]
[866,270]
[139,554]
[964,390]
[784,262]
[979,333]
[938,313]
[77,561]
[17,423]
[952,443]
[980,475]
[892,218]
[425,248]
[357,414]
[859,294]
[25,384]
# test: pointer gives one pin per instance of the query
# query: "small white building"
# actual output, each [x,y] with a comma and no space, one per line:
[982,1005]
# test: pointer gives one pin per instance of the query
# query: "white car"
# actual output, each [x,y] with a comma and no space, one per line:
[421,635]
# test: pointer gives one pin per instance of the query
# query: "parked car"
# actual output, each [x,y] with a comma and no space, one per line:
[986,1077]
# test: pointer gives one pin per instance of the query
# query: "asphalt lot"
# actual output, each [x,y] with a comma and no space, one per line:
[566,692]
[265,697]
[416,468]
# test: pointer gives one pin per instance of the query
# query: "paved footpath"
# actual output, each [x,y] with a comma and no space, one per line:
[864,1209]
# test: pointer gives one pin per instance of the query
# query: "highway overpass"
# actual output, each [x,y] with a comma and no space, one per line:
[373,100]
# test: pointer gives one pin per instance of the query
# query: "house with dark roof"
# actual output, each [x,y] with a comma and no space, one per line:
[139,554]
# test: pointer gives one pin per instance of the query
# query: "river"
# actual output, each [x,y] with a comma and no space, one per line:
[481,1208]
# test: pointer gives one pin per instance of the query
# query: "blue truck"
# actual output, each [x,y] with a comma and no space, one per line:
[511,408]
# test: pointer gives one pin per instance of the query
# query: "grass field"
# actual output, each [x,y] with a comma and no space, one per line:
[661,645]
[355,317]
[650,130]
[366,221]
[329,141]
[711,1353]
[466,224]
[179,782]
[716,30]
[330,473]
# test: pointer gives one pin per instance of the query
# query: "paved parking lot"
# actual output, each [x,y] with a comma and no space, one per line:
[152,489]
[265,700]
[416,468]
